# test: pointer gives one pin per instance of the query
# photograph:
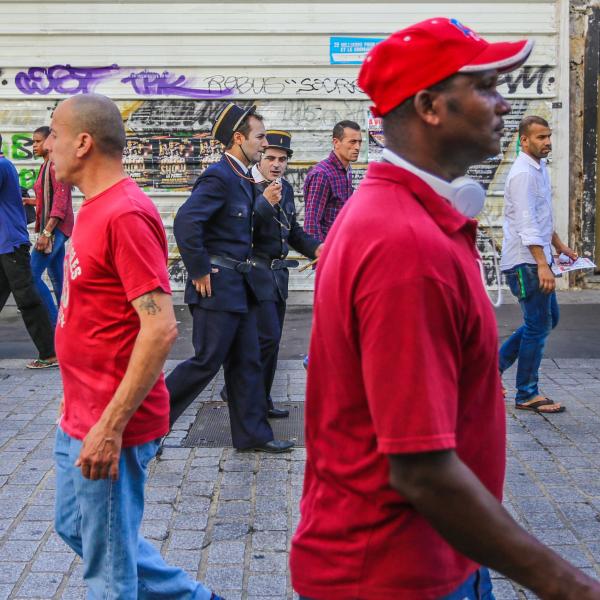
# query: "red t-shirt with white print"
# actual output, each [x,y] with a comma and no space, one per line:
[117,253]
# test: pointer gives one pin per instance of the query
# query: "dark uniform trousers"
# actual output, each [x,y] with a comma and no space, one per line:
[271,315]
[276,228]
[228,339]
[215,225]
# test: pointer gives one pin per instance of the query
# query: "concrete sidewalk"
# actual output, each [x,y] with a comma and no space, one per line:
[227,517]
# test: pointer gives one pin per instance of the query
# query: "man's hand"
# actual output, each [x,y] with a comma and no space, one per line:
[202,285]
[568,252]
[318,250]
[546,278]
[41,243]
[100,452]
[273,193]
[562,248]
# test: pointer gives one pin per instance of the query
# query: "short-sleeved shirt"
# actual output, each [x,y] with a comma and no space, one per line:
[117,253]
[13,225]
[403,359]
[528,218]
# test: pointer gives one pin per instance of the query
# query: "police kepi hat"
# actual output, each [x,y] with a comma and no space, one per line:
[280,139]
[229,121]
[428,52]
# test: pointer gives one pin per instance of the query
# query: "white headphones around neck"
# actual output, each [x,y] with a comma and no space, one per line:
[468,196]
[465,194]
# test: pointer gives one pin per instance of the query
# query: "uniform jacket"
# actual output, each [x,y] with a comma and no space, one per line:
[217,220]
[274,232]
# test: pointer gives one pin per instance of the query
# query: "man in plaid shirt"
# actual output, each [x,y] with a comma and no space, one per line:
[328,184]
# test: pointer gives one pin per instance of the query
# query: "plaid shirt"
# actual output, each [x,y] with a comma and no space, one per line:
[327,187]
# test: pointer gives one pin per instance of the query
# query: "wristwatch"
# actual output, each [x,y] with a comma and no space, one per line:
[46,233]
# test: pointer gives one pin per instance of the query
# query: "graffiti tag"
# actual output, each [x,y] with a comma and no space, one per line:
[62,79]
[69,80]
[274,86]
[246,85]
[152,83]
[21,146]
[329,85]
[525,78]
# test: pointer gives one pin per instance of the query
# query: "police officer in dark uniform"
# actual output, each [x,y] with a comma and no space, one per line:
[213,230]
[275,229]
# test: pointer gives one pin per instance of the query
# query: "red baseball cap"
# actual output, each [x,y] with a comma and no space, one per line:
[423,54]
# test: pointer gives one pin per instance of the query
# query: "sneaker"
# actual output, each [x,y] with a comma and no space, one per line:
[305,362]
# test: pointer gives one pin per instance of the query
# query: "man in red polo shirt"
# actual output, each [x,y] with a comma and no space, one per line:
[405,426]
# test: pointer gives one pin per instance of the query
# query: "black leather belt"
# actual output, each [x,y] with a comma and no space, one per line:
[231,263]
[274,264]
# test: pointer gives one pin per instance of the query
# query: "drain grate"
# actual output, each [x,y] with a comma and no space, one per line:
[211,427]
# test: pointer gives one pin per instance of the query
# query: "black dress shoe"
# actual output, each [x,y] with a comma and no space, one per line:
[274,447]
[278,413]
[223,394]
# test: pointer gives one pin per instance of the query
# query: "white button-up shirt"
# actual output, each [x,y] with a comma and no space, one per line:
[241,165]
[257,175]
[528,219]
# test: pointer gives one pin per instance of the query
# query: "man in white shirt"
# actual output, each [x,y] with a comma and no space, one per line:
[526,258]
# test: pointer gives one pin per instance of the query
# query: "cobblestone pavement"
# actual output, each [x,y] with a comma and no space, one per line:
[227,517]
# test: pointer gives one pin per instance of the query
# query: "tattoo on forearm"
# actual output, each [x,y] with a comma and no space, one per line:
[148,305]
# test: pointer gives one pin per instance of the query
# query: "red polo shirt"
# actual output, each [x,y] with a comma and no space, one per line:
[403,359]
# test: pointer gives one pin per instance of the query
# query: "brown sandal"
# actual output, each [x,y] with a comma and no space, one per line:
[538,403]
[40,363]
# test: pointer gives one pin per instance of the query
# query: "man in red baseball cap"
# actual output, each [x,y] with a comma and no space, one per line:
[405,423]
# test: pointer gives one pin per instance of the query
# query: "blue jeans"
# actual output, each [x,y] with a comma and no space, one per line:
[540,315]
[100,521]
[476,587]
[53,263]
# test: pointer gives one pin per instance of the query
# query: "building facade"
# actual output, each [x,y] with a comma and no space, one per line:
[585,134]
[170,66]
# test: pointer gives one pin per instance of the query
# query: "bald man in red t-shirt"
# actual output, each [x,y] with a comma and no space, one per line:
[115,328]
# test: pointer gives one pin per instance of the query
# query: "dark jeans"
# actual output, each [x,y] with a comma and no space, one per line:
[540,316]
[15,277]
[476,587]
